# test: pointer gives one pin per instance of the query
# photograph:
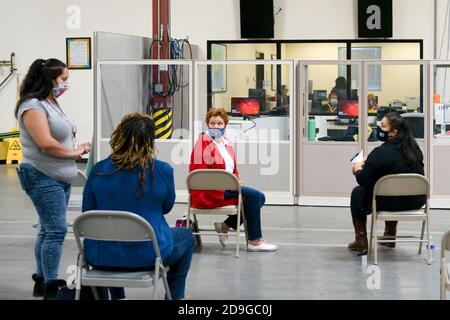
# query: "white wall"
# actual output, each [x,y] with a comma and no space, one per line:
[299,19]
[37,29]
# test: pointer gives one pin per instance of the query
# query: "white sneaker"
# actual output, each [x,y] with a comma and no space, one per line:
[263,246]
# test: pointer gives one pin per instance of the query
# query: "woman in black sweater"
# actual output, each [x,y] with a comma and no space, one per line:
[400,153]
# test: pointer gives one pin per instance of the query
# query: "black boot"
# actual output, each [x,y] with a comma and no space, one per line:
[360,243]
[390,232]
[51,288]
[38,289]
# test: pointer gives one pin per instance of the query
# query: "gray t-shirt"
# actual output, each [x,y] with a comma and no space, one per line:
[62,129]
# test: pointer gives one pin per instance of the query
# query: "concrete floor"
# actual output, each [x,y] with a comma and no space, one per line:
[312,261]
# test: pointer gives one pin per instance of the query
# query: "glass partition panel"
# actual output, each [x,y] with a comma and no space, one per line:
[331,101]
[401,91]
[311,51]
[255,109]
[441,101]
[161,91]
[260,119]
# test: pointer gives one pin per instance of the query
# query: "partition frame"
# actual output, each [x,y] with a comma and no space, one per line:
[437,200]
[303,197]
[182,194]
[284,198]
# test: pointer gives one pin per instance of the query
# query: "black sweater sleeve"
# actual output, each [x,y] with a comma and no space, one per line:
[371,172]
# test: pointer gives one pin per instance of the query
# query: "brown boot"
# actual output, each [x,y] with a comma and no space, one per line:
[360,243]
[390,231]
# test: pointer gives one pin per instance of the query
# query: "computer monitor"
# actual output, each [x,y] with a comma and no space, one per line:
[259,94]
[245,106]
[320,95]
[348,108]
[416,123]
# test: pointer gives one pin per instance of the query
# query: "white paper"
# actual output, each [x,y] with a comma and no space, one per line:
[359,157]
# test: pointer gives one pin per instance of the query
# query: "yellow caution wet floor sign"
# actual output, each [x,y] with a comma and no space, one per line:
[14,151]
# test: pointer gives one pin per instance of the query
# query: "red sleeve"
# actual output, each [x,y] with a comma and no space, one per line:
[197,155]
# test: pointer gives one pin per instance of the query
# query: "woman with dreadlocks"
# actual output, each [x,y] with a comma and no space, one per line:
[131,179]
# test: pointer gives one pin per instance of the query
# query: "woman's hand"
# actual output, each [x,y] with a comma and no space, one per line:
[357,167]
[87,147]
[240,183]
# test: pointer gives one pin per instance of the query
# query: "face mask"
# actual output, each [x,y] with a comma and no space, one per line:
[60,89]
[333,102]
[381,134]
[216,133]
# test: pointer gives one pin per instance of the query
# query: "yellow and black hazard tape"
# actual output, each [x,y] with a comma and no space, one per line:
[163,120]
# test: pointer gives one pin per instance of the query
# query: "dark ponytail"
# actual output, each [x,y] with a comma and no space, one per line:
[404,139]
[38,82]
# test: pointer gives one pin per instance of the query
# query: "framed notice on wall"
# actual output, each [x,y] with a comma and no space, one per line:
[78,53]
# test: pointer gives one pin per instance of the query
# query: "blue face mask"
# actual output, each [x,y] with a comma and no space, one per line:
[216,133]
[333,102]
[381,134]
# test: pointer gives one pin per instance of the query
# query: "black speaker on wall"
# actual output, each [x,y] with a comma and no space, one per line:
[257,19]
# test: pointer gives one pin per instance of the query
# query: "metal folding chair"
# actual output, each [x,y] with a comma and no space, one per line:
[395,185]
[215,179]
[116,226]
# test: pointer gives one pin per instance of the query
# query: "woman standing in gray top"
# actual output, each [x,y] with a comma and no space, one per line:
[49,153]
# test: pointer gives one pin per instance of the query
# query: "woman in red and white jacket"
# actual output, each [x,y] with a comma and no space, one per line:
[213,151]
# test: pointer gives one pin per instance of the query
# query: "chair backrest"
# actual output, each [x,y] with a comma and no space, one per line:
[212,179]
[445,244]
[113,226]
[405,184]
[80,180]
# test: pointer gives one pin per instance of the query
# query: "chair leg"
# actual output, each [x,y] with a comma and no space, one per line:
[443,277]
[156,278]
[94,291]
[370,249]
[375,242]
[78,281]
[421,236]
[429,243]
[166,286]
[196,229]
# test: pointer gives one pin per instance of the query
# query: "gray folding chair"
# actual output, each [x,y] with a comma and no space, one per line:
[116,226]
[395,185]
[445,270]
[215,179]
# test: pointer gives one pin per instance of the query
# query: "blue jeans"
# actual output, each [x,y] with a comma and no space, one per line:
[253,202]
[179,262]
[50,198]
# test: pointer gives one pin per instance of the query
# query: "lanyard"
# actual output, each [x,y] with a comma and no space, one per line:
[66,118]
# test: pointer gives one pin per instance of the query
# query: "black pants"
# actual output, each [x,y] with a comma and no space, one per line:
[361,203]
